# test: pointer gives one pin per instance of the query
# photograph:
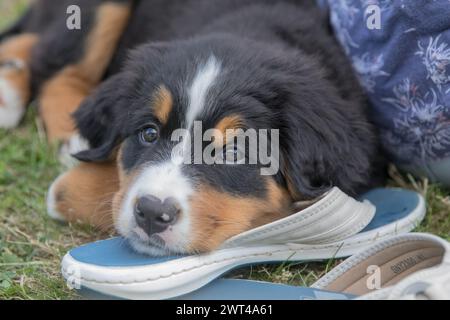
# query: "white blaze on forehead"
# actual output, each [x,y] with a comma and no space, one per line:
[198,90]
[203,81]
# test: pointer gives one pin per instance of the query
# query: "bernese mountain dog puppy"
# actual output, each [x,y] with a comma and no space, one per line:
[236,65]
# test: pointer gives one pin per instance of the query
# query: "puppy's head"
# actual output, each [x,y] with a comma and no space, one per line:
[166,119]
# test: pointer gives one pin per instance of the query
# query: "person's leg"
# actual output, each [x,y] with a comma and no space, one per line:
[401,53]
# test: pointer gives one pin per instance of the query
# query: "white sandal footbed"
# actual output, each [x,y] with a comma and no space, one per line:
[396,259]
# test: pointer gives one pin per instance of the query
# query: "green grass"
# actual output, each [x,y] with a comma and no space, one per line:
[32,245]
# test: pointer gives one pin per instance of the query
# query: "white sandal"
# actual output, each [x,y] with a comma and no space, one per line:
[336,225]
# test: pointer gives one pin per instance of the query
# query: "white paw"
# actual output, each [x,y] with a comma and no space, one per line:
[51,202]
[75,144]
[12,107]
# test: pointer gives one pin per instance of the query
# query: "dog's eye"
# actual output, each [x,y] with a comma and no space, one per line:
[148,135]
[232,154]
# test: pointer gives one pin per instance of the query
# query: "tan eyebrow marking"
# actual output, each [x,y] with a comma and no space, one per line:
[162,104]
[228,123]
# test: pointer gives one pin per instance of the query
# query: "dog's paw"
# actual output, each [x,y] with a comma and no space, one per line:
[54,197]
[74,145]
[12,105]
[84,194]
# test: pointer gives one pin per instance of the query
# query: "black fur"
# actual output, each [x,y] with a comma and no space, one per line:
[283,70]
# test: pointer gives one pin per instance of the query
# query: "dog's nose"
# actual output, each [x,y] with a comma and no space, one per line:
[154,215]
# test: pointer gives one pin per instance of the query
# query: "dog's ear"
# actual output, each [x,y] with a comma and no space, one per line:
[98,120]
[326,141]
[101,117]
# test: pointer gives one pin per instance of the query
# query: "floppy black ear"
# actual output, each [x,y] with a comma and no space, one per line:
[100,154]
[326,141]
[100,118]
[97,120]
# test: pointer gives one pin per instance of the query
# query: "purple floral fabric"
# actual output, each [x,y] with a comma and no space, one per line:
[404,66]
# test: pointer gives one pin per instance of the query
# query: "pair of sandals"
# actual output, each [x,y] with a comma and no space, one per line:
[385,261]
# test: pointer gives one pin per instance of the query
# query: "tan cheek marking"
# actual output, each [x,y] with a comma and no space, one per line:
[277,197]
[85,194]
[217,216]
[162,104]
[62,94]
[121,172]
[295,194]
[19,48]
[126,179]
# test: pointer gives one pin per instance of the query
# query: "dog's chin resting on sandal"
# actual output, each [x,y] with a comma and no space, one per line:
[286,73]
